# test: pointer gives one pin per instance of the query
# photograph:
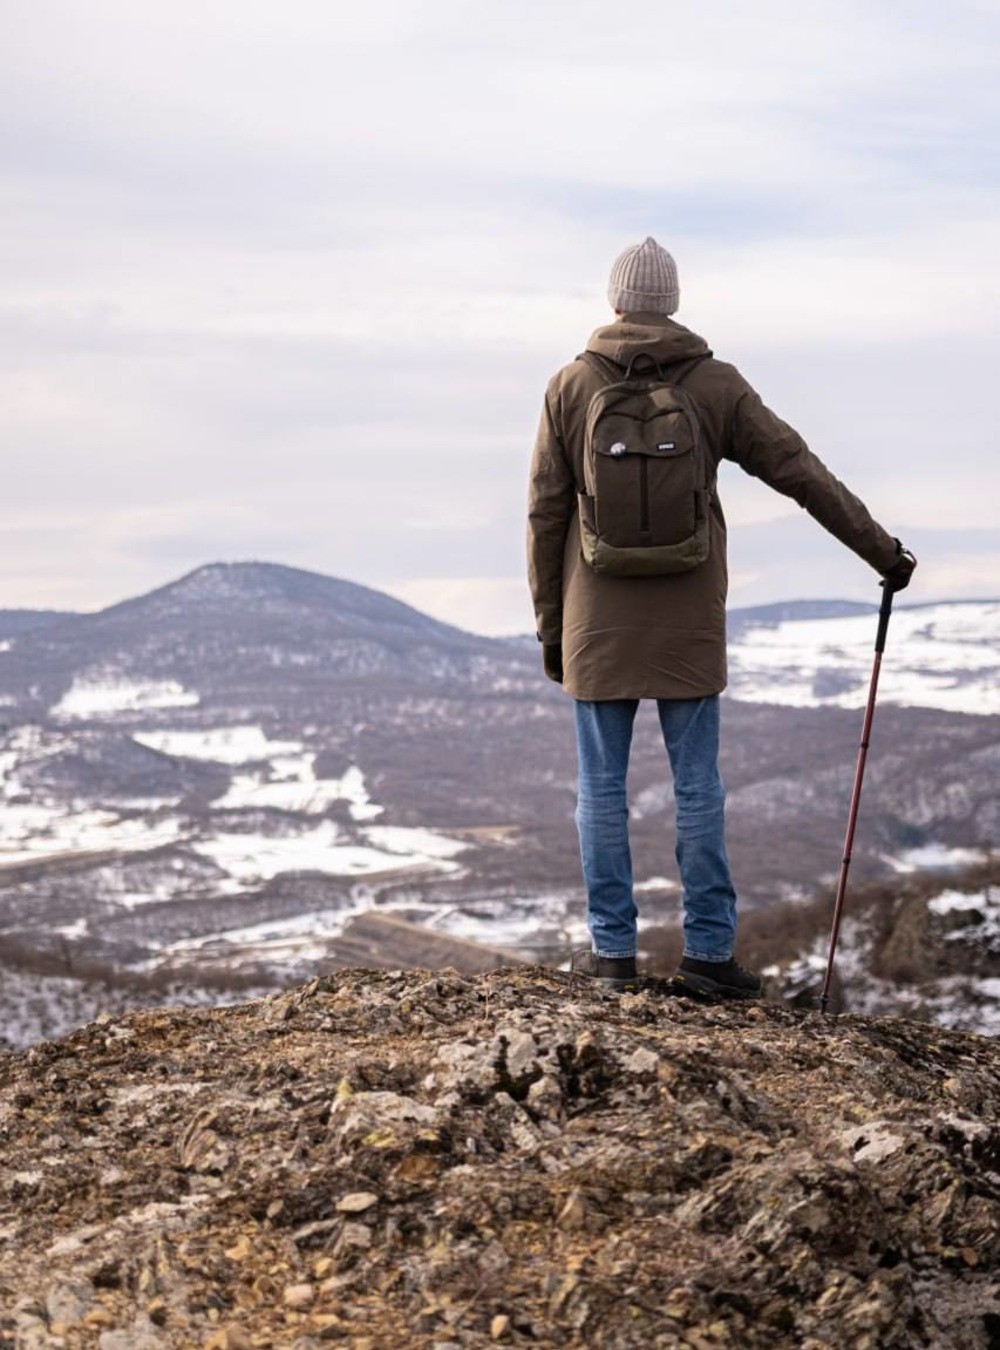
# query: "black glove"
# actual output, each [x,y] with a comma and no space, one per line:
[897,577]
[552,660]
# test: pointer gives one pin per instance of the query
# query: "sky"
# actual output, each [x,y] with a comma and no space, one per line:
[286,281]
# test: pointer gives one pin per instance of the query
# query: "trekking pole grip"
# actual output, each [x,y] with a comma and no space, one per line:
[883,618]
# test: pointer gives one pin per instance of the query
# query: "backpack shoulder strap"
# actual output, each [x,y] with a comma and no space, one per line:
[677,374]
[612,373]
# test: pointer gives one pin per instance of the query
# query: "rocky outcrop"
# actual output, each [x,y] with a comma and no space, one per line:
[926,947]
[414,1160]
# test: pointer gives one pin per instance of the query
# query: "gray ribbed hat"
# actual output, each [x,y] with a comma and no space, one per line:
[644,279]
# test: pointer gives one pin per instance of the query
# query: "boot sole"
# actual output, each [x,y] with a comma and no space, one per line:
[612,984]
[709,991]
[621,986]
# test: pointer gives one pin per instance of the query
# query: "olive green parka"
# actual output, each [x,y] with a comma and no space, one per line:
[663,636]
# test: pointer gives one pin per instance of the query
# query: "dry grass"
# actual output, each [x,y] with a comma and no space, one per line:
[777,933]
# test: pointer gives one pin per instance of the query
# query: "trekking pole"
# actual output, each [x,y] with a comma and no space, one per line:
[859,773]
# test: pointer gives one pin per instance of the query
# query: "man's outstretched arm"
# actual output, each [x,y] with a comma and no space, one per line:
[551,503]
[769,449]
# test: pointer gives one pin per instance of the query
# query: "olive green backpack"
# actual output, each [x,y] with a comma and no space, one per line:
[648,477]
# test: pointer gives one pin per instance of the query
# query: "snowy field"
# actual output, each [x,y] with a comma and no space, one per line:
[278,775]
[33,833]
[249,858]
[228,859]
[938,656]
[231,849]
[33,827]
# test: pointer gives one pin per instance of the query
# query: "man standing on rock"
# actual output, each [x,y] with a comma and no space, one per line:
[627,567]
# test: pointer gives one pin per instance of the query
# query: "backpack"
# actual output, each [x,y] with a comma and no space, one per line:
[648,477]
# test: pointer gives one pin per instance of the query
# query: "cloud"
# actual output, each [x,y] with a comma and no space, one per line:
[290,282]
[496,606]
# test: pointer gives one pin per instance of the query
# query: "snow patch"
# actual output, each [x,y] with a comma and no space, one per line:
[490,923]
[41,828]
[285,779]
[45,1007]
[948,902]
[32,830]
[420,843]
[222,745]
[291,785]
[352,788]
[980,926]
[100,694]
[31,833]
[935,858]
[257,857]
[76,929]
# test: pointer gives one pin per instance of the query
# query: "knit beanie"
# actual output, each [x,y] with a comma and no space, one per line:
[644,279]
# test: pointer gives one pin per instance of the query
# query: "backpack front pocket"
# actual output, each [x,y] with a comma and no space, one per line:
[645,475]
[645,494]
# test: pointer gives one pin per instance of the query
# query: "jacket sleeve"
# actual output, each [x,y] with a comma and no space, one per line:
[769,449]
[551,503]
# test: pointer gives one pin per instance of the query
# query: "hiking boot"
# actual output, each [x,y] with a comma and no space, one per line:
[716,979]
[617,973]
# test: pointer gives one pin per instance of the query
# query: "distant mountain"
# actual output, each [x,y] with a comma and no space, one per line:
[241,630]
[753,616]
[271,592]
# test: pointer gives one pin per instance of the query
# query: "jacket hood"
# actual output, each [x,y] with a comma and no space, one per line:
[667,341]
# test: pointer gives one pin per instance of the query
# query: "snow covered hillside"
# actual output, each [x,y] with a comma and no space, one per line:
[938,656]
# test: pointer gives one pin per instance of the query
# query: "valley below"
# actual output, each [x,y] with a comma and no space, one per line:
[256,775]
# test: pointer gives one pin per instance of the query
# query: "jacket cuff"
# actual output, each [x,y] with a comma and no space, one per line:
[548,626]
[889,557]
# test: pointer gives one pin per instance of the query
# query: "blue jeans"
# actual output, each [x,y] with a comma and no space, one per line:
[691,734]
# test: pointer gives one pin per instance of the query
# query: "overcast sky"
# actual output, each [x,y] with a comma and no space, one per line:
[286,280]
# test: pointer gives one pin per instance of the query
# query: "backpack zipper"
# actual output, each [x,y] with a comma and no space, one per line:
[643,495]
